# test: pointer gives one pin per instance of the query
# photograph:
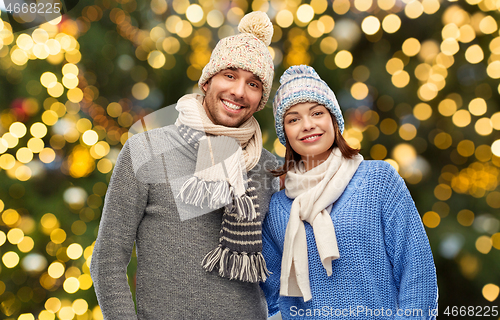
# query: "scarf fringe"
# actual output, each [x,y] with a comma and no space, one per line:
[204,189]
[236,266]
[216,194]
[197,192]
[244,208]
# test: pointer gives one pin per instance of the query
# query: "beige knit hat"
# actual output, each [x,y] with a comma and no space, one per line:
[247,51]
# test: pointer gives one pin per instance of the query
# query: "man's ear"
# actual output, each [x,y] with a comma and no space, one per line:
[205,86]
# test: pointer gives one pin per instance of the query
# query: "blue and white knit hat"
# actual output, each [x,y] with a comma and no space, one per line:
[301,84]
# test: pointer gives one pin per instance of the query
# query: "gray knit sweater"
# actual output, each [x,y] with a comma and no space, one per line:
[170,243]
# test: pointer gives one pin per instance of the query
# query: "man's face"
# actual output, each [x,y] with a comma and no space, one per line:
[232,97]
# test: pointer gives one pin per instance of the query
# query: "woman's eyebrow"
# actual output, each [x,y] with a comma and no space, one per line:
[295,112]
[290,112]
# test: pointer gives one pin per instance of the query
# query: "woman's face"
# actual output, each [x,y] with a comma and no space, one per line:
[310,132]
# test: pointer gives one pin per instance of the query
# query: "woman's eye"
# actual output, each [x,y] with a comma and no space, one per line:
[318,113]
[292,120]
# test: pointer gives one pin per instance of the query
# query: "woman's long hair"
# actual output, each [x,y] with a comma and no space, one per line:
[292,158]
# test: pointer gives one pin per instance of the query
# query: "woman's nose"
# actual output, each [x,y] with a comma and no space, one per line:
[308,123]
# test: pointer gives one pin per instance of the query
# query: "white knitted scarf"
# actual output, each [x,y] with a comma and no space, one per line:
[220,179]
[192,114]
[314,193]
[224,156]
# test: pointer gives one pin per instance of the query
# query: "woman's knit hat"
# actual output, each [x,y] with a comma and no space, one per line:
[301,84]
[247,51]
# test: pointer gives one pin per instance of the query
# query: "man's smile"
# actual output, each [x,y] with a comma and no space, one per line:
[232,106]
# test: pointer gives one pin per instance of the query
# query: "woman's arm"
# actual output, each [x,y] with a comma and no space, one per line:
[410,254]
[272,255]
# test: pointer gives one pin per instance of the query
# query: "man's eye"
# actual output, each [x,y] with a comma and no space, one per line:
[229,76]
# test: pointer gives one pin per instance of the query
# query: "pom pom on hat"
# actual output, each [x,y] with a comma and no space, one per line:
[258,24]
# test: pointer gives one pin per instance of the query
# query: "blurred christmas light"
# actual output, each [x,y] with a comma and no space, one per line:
[391,23]
[71,285]
[343,59]
[431,219]
[411,47]
[370,25]
[26,245]
[474,54]
[10,259]
[15,235]
[140,91]
[414,9]
[490,292]
[26,316]
[359,91]
[483,244]
[194,13]
[34,262]
[363,5]
[215,19]
[75,196]
[305,13]
[74,251]
[378,152]
[400,79]
[284,18]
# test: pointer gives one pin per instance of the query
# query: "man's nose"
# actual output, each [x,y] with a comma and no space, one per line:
[238,88]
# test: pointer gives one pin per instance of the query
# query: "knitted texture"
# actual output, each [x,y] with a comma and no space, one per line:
[385,257]
[170,283]
[248,134]
[239,253]
[247,50]
[301,84]
[220,180]
[313,192]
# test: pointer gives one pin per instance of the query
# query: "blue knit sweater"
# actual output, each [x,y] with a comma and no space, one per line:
[385,269]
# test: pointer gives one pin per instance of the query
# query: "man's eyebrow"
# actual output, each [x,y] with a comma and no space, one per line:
[256,78]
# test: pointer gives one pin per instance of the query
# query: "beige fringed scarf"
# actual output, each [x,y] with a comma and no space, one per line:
[225,154]
[214,166]
[192,114]
[314,193]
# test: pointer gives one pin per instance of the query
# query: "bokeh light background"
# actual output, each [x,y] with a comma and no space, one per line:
[417,81]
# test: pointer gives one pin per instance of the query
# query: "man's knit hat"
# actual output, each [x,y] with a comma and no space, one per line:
[247,51]
[301,84]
